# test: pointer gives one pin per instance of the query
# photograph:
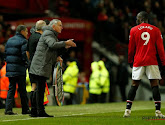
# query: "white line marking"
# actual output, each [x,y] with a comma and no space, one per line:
[23,119]
[72,115]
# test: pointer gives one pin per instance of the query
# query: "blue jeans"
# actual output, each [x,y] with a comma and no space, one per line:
[21,81]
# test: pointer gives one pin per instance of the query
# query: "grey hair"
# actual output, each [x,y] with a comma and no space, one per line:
[54,21]
[40,24]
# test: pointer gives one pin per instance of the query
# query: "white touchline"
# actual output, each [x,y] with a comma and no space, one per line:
[23,119]
[73,115]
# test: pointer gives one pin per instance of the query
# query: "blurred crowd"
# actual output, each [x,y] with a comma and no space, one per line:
[5,33]
[112,18]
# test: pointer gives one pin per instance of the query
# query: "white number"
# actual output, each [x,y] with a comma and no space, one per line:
[145,36]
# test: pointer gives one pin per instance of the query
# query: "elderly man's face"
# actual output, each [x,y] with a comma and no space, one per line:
[58,27]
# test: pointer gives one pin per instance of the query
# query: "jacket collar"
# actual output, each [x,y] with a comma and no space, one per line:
[49,28]
[19,34]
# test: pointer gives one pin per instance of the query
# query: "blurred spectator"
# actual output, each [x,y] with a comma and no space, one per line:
[95,2]
[109,65]
[102,16]
[111,27]
[82,91]
[8,34]
[157,10]
[83,80]
[2,39]
[2,55]
[70,78]
[122,77]
[99,83]
[104,82]
[4,86]
[110,8]
[94,84]
[88,12]
[72,57]
[124,33]
[75,8]
[62,8]
[2,23]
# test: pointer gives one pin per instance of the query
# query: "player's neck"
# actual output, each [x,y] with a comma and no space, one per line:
[144,22]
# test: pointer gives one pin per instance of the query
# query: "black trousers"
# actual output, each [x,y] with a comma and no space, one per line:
[40,81]
[103,97]
[21,81]
[93,98]
[122,92]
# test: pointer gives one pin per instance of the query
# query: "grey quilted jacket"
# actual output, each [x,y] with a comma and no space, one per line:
[46,53]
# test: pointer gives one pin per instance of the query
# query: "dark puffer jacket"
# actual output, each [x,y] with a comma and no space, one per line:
[16,58]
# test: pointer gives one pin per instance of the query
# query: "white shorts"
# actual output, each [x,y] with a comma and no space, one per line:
[152,72]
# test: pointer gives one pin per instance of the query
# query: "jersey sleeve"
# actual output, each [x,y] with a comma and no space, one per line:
[131,47]
[160,47]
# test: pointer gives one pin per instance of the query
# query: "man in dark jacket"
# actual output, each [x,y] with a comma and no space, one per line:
[31,48]
[47,53]
[16,70]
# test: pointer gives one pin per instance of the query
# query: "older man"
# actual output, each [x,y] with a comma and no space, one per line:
[31,48]
[47,53]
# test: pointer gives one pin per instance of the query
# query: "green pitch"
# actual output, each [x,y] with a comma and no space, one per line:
[89,114]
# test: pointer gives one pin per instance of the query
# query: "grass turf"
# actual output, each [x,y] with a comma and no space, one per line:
[89,114]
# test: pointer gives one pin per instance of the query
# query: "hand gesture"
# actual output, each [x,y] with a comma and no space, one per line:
[69,43]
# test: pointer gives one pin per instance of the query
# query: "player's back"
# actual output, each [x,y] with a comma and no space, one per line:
[145,37]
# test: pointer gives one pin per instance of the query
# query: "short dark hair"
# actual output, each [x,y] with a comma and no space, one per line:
[143,15]
[47,21]
[20,28]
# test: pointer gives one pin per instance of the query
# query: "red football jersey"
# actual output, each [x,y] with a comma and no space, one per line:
[145,41]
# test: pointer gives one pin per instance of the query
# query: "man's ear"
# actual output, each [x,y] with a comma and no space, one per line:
[53,26]
[21,32]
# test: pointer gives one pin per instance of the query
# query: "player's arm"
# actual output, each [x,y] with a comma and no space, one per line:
[131,48]
[160,47]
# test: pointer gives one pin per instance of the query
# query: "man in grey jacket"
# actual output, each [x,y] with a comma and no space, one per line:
[47,53]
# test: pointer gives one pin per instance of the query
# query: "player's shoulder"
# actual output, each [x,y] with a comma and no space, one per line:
[142,26]
[154,27]
[133,29]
